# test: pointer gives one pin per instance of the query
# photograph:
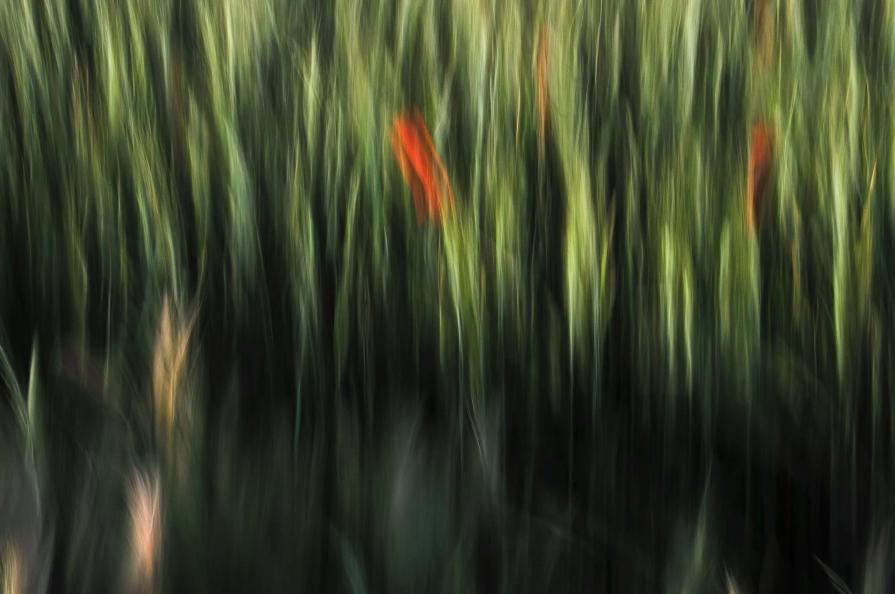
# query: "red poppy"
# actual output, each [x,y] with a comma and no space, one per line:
[760,160]
[422,168]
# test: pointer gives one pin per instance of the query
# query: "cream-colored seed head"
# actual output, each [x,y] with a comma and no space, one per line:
[168,366]
[145,516]
[11,569]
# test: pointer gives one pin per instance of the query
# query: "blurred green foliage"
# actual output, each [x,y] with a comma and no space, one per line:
[212,271]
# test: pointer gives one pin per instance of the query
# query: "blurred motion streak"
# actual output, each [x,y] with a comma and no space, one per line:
[11,570]
[422,167]
[760,171]
[146,518]
[543,83]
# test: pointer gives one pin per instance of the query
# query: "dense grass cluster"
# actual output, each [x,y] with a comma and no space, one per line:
[235,358]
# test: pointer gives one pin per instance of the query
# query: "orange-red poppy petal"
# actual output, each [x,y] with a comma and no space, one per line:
[760,160]
[421,166]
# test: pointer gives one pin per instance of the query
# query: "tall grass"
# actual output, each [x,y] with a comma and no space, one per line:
[213,279]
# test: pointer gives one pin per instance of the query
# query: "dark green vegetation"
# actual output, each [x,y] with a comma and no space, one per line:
[233,361]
